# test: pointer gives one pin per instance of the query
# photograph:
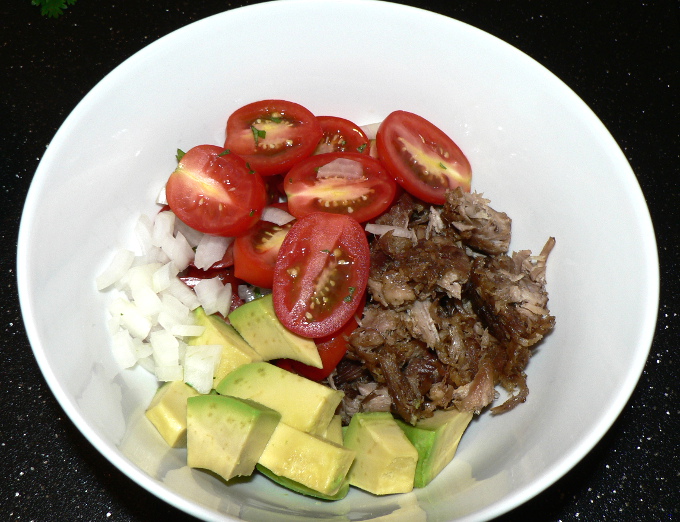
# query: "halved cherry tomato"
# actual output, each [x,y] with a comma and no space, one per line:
[332,349]
[255,253]
[272,135]
[421,157]
[341,135]
[214,192]
[341,183]
[320,274]
[192,276]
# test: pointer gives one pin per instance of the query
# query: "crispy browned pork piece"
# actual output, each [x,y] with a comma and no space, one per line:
[450,315]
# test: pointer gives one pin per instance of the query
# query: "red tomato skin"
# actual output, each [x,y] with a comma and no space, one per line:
[341,135]
[306,192]
[332,349]
[199,192]
[304,131]
[318,248]
[429,141]
[250,263]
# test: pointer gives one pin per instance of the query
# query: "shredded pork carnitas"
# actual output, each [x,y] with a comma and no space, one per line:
[450,314]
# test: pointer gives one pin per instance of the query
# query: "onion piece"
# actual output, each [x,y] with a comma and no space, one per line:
[344,168]
[200,363]
[276,215]
[210,250]
[120,264]
[371,129]
[214,296]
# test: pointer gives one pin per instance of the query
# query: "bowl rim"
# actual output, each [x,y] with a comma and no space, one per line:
[518,497]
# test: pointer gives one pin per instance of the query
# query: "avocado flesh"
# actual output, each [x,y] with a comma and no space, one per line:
[333,431]
[303,404]
[436,440]
[227,435]
[235,350]
[307,459]
[385,461]
[258,325]
[299,488]
[168,412]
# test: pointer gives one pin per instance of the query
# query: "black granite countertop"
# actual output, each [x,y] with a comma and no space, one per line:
[621,58]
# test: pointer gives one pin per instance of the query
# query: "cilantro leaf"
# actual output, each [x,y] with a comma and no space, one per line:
[52,8]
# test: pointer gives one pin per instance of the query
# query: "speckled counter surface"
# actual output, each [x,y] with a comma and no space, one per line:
[620,57]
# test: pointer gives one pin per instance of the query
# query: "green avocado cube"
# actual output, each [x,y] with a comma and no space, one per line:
[168,412]
[385,461]
[257,323]
[436,440]
[227,435]
[307,459]
[235,350]
[303,404]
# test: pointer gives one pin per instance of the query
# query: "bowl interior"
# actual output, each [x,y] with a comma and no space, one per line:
[537,151]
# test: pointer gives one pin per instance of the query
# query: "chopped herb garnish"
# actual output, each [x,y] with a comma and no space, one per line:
[326,251]
[342,143]
[362,147]
[258,134]
[252,212]
[348,298]
[250,170]
[224,152]
[180,154]
[276,119]
[52,8]
[442,165]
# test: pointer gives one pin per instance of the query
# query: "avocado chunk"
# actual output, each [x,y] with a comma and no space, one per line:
[333,431]
[307,459]
[235,350]
[385,460]
[227,435]
[303,404]
[258,325]
[436,440]
[168,412]
[299,488]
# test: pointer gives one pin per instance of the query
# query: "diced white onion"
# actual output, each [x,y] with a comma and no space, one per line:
[341,168]
[144,231]
[380,230]
[210,250]
[178,250]
[277,216]
[214,296]
[123,349]
[120,264]
[183,293]
[163,276]
[169,373]
[162,198]
[187,330]
[165,348]
[130,317]
[163,228]
[200,363]
[371,130]
[193,236]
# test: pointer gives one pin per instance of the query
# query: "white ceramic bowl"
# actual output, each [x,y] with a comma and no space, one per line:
[537,152]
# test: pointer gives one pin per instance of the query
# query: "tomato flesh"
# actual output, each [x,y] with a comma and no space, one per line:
[421,157]
[341,183]
[320,274]
[272,135]
[214,192]
[332,349]
[255,253]
[341,135]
